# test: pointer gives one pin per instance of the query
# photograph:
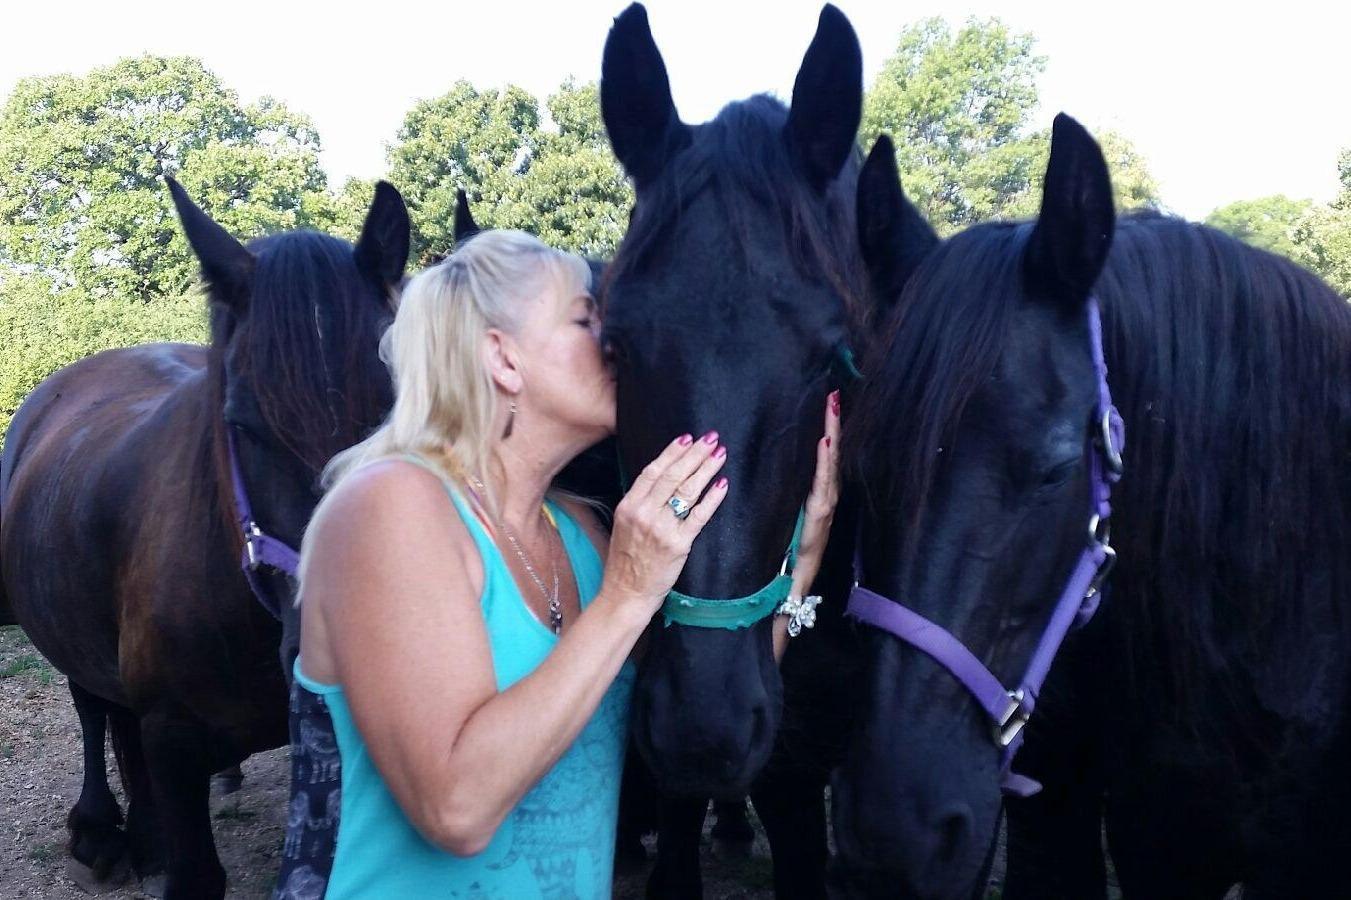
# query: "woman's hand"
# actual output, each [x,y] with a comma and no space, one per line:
[649,544]
[819,512]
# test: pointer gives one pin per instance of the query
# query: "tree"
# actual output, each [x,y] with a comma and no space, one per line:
[562,183]
[82,160]
[1322,236]
[477,140]
[1133,186]
[956,107]
[1267,222]
[573,193]
[43,328]
[1323,243]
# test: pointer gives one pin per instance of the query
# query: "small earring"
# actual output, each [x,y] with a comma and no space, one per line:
[511,420]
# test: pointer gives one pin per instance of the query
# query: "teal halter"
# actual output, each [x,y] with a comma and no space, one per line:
[741,612]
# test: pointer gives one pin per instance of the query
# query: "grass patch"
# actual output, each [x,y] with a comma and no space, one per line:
[28,662]
[44,852]
[13,636]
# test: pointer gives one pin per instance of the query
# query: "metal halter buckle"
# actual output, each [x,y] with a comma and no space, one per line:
[251,534]
[1108,561]
[1007,729]
[1111,455]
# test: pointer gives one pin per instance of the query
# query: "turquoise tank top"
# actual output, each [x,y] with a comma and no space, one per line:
[559,840]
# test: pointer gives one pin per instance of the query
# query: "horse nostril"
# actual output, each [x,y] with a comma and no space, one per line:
[954,828]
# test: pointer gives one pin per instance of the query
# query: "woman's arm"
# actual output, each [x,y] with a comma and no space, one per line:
[405,635]
[818,514]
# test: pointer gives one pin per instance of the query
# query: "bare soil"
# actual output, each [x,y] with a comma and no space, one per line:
[40,774]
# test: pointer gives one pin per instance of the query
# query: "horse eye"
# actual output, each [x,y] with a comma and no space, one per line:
[1060,474]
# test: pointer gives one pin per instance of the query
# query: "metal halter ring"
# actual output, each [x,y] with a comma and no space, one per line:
[680,506]
[1111,453]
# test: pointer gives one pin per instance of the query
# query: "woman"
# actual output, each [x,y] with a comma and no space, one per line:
[468,633]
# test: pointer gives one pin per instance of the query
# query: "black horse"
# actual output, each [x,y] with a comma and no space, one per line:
[1203,714]
[731,305]
[120,545]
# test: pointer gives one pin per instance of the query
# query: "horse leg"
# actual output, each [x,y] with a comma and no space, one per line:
[180,761]
[1055,836]
[676,875]
[793,811]
[96,837]
[227,781]
[638,810]
[1055,844]
[732,831]
[1155,861]
[144,834]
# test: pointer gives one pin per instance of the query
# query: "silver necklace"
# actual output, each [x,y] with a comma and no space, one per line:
[550,596]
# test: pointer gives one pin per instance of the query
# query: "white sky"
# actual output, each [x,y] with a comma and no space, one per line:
[1226,102]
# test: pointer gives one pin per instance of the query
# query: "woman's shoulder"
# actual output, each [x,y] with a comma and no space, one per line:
[391,502]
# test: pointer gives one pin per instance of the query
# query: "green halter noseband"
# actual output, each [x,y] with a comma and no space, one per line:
[741,612]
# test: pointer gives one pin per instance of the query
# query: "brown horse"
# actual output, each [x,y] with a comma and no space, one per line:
[119,548]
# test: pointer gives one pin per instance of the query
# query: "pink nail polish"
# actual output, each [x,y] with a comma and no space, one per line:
[835,402]
[711,437]
[720,452]
[685,440]
[720,483]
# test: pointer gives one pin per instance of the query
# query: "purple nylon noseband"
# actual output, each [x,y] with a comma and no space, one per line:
[259,549]
[1009,710]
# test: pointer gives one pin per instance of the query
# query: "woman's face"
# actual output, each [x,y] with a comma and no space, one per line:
[566,377]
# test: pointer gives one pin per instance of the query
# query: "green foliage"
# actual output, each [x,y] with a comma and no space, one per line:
[1268,222]
[43,328]
[956,106]
[1323,243]
[82,160]
[1132,184]
[478,140]
[573,193]
[562,184]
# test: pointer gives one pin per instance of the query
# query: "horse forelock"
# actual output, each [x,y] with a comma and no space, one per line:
[307,345]
[742,157]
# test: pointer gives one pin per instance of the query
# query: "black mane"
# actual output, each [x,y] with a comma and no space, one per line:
[301,342]
[1231,367]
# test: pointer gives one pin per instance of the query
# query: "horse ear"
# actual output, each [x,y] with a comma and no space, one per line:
[465,226]
[226,265]
[635,99]
[893,236]
[1069,244]
[827,100]
[382,250]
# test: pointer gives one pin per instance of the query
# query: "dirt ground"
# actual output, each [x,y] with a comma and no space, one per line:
[40,780]
[40,776]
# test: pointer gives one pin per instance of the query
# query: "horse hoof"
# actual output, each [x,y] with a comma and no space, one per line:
[84,878]
[725,849]
[154,884]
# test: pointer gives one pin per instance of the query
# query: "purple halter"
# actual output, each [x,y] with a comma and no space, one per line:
[259,549]
[1010,709]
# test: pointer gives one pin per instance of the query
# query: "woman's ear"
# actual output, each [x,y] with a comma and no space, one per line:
[503,359]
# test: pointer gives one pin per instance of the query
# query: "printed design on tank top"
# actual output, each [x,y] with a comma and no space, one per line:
[545,835]
[316,800]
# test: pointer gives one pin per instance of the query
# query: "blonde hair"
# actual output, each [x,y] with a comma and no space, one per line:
[445,400]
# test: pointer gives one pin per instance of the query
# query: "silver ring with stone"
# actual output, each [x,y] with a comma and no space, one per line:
[680,506]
